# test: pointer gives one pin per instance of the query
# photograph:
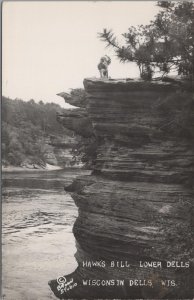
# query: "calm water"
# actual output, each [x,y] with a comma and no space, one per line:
[38,244]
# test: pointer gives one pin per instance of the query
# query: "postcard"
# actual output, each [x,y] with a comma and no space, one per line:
[97,150]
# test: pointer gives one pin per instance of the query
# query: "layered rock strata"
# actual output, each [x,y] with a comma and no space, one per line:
[76,120]
[137,206]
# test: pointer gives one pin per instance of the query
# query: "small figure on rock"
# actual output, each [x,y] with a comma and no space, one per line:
[103,66]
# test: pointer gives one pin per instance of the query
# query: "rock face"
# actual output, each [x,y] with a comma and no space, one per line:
[76,120]
[137,206]
[77,97]
[60,153]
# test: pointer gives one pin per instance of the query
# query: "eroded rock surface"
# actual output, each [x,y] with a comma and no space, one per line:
[76,120]
[137,205]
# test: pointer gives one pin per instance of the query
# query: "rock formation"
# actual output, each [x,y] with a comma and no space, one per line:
[77,97]
[60,151]
[137,205]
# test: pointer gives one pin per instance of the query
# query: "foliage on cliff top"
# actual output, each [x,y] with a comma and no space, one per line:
[166,44]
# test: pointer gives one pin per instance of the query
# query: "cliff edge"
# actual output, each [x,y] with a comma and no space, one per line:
[136,208]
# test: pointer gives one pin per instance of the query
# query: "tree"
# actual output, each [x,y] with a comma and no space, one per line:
[26,130]
[165,44]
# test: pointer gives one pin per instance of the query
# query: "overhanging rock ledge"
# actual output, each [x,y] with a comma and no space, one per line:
[137,205]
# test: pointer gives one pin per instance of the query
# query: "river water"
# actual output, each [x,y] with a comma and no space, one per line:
[37,240]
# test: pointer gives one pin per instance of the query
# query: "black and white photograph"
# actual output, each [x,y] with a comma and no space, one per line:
[97,150]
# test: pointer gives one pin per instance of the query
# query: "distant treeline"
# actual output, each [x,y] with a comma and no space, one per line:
[26,126]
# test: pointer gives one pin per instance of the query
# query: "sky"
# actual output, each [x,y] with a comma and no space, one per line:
[50,47]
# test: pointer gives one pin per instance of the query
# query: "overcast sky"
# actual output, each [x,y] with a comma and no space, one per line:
[50,47]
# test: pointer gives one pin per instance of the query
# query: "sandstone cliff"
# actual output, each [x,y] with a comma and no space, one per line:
[138,203]
[60,152]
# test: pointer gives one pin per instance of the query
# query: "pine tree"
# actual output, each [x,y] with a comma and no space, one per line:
[166,44]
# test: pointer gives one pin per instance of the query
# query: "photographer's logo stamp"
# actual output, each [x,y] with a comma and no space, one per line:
[64,286]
